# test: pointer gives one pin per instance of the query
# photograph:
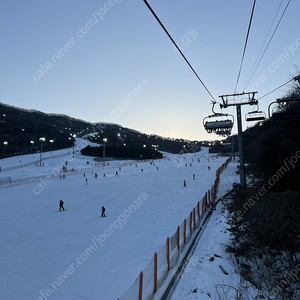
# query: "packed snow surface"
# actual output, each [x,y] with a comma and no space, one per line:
[210,272]
[75,254]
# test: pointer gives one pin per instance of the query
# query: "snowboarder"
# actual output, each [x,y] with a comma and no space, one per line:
[103,211]
[61,205]
[194,177]
[86,181]
[117,174]
[184,183]
[96,175]
[208,167]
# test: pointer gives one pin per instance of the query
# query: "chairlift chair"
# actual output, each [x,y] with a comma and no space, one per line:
[290,115]
[218,125]
[286,116]
[257,115]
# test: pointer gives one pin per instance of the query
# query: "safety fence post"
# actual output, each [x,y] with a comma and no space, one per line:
[141,287]
[191,219]
[184,232]
[194,218]
[213,196]
[155,273]
[178,239]
[198,210]
[168,253]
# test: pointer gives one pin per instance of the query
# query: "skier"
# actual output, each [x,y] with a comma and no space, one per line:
[86,181]
[184,183]
[194,177]
[61,205]
[103,212]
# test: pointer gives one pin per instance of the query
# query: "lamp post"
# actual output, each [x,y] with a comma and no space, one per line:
[73,136]
[5,143]
[31,142]
[41,139]
[118,139]
[104,141]
[51,141]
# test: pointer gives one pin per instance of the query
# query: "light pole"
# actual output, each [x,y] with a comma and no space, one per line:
[5,143]
[74,135]
[104,141]
[118,139]
[31,142]
[41,139]
[51,141]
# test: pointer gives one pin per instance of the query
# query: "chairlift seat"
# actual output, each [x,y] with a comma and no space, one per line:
[215,125]
[286,116]
[255,116]
[219,124]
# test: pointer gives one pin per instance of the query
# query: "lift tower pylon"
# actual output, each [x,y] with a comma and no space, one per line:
[238,100]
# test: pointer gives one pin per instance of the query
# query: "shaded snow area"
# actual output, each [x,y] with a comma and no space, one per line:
[210,271]
[75,254]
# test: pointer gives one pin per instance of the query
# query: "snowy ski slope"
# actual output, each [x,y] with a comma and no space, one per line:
[75,254]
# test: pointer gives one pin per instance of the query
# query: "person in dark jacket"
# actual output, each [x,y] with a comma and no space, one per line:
[103,212]
[61,205]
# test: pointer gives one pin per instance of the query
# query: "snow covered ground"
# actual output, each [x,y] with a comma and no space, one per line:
[210,270]
[74,254]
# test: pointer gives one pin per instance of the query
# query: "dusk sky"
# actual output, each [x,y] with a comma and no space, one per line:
[110,61]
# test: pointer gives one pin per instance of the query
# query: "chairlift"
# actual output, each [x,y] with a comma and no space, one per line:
[256,115]
[276,115]
[286,116]
[214,126]
[219,126]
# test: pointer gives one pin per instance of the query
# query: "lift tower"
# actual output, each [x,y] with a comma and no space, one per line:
[238,100]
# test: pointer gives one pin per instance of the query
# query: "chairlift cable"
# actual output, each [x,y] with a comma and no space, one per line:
[256,66]
[277,88]
[268,44]
[158,20]
[245,46]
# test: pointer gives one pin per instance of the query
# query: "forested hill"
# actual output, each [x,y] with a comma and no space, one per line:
[22,129]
